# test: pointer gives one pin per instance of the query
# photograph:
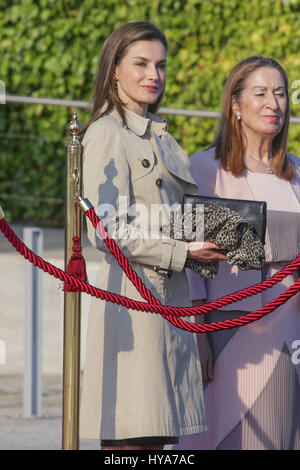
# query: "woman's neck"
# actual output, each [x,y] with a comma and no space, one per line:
[140,109]
[259,149]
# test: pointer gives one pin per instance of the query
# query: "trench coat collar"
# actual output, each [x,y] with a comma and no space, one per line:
[139,124]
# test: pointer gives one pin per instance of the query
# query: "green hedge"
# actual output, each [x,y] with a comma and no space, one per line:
[51,49]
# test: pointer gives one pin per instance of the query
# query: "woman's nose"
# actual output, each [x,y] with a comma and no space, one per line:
[272,101]
[153,73]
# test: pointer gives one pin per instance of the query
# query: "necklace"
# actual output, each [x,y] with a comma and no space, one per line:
[269,168]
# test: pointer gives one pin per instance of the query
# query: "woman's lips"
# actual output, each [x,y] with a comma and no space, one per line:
[271,118]
[153,89]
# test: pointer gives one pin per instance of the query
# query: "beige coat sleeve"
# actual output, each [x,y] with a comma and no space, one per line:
[107,184]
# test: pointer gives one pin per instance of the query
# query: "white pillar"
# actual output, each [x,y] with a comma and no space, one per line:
[32,395]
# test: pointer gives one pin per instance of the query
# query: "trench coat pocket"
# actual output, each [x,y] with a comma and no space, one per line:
[160,285]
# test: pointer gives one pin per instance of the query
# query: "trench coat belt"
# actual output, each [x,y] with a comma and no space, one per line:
[159,270]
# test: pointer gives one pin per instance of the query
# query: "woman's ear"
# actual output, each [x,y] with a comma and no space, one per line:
[115,75]
[235,106]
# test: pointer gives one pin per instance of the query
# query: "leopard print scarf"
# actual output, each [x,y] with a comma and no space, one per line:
[225,228]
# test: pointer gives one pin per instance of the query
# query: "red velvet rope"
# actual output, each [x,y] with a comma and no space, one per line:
[153,305]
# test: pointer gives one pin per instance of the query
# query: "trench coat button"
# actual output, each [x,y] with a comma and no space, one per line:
[145,163]
[159,182]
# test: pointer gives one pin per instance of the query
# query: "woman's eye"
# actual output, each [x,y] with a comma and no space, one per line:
[277,94]
[141,64]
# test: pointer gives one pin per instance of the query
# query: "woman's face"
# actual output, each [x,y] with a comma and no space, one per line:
[141,75]
[262,104]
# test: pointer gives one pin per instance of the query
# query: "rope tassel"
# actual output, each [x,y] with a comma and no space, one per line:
[76,267]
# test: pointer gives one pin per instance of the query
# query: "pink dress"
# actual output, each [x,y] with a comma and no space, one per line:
[253,402]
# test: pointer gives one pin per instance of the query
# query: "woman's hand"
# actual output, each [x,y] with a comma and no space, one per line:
[205,352]
[205,252]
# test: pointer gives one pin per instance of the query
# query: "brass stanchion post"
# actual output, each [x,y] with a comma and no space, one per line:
[72,304]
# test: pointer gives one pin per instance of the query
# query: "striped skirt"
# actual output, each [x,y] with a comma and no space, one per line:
[253,403]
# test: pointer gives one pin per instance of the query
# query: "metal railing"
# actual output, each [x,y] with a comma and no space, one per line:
[18,99]
[87,105]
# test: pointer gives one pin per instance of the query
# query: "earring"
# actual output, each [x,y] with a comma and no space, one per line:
[115,82]
[238,116]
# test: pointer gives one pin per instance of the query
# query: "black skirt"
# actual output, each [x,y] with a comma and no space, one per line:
[140,441]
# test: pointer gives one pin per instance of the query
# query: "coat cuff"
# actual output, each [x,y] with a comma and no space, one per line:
[174,255]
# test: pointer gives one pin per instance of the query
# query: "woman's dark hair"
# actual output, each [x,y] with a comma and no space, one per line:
[230,140]
[105,96]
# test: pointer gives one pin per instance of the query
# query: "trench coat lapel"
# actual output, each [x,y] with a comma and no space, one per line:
[174,158]
[172,155]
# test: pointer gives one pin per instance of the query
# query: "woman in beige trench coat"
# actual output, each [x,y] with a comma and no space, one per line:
[142,385]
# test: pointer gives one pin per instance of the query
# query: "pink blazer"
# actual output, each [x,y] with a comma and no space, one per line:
[213,180]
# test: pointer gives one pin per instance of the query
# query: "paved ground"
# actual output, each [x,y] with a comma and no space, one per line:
[43,433]
[16,432]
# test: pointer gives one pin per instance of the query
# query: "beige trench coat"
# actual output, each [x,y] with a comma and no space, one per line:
[142,375]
